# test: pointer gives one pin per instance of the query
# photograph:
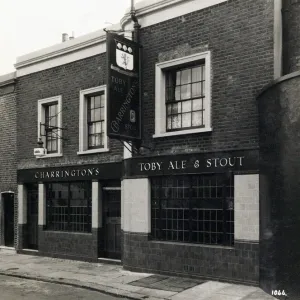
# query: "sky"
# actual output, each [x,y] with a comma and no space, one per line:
[30,25]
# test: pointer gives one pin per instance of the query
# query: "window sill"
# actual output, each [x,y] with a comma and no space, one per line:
[182,132]
[93,151]
[192,244]
[67,232]
[51,155]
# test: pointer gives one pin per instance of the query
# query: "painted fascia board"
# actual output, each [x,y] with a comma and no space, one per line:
[64,48]
[7,79]
[146,9]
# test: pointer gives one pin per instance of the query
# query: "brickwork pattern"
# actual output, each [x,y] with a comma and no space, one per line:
[239,35]
[279,208]
[82,246]
[8,150]
[291,36]
[66,80]
[238,264]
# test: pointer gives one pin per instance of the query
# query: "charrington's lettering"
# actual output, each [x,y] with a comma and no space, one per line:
[115,124]
[67,173]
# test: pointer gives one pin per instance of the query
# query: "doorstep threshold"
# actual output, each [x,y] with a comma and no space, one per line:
[6,247]
[31,250]
[109,260]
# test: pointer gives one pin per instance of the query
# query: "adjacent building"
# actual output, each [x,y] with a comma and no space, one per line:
[8,167]
[193,200]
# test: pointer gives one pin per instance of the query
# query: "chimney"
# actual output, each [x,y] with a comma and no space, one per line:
[65,37]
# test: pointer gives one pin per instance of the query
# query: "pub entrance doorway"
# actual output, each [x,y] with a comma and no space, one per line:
[112,223]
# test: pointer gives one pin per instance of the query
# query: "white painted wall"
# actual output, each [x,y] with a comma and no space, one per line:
[42,204]
[246,211]
[22,204]
[136,205]
[97,204]
[277,39]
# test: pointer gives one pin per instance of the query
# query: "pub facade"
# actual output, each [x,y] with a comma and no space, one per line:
[61,193]
[185,198]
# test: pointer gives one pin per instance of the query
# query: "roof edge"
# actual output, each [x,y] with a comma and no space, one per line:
[7,79]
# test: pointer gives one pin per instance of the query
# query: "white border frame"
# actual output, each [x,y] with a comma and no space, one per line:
[41,118]
[160,105]
[83,149]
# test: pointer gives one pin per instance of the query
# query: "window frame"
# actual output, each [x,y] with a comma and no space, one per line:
[160,94]
[42,104]
[89,204]
[160,216]
[83,127]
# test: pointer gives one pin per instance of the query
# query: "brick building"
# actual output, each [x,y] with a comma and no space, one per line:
[189,202]
[8,169]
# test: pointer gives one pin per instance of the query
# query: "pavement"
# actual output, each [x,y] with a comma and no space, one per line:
[112,279]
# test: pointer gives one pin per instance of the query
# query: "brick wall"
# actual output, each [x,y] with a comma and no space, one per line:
[238,264]
[279,206]
[239,35]
[66,80]
[291,36]
[8,138]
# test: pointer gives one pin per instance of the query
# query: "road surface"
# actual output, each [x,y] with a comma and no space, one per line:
[12,288]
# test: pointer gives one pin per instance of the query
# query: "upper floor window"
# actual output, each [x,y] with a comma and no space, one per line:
[92,121]
[50,124]
[95,120]
[183,96]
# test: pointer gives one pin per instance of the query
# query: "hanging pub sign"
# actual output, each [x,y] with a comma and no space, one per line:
[123,92]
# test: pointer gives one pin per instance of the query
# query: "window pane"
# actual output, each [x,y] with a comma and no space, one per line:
[176,122]
[186,76]
[91,129]
[186,91]
[92,115]
[176,108]
[177,93]
[102,100]
[186,120]
[186,106]
[169,123]
[197,104]
[196,74]
[197,118]
[92,103]
[97,101]
[97,140]
[54,145]
[101,139]
[203,88]
[91,140]
[102,114]
[178,78]
[97,114]
[98,127]
[170,93]
[196,89]
[169,109]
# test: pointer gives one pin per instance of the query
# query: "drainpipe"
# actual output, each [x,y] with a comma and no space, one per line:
[136,26]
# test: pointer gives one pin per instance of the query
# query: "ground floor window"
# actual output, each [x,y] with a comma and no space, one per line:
[193,209]
[69,206]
